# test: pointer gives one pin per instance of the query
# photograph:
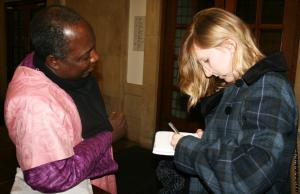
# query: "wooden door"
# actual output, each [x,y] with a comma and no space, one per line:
[18,15]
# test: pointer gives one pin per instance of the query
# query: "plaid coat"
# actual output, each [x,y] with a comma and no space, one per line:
[249,139]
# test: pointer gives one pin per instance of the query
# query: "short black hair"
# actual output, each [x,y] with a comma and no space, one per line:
[47,30]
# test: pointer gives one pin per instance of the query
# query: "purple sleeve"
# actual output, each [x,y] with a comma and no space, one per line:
[92,158]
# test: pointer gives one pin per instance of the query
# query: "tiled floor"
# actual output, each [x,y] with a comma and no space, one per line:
[136,166]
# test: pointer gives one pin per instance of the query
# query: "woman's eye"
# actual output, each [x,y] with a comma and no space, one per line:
[204,62]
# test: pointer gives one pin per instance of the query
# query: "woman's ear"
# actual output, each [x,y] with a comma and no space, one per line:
[52,62]
[230,44]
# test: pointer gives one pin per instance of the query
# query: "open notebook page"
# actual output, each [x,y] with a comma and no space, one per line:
[162,142]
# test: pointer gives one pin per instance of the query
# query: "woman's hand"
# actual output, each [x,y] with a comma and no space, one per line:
[176,137]
[199,132]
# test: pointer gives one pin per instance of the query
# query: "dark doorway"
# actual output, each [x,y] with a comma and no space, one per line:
[18,15]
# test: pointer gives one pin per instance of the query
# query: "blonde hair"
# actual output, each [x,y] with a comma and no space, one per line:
[210,28]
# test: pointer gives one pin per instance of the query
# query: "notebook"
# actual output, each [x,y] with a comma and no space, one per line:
[162,142]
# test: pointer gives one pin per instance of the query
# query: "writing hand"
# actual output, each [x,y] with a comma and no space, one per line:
[175,138]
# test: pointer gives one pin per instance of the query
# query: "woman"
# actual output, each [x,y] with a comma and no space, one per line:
[250,133]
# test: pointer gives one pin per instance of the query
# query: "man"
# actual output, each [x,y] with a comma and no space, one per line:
[54,110]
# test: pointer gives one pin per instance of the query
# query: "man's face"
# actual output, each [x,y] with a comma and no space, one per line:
[81,55]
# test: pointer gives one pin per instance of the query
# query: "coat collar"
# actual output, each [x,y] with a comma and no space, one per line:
[272,63]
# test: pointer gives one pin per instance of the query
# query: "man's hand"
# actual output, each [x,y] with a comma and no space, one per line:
[119,125]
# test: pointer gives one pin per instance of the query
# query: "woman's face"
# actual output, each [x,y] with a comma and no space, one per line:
[216,61]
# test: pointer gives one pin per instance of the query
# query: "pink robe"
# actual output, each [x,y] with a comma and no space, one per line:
[45,107]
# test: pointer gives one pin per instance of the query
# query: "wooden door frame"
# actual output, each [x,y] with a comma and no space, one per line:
[290,36]
[165,42]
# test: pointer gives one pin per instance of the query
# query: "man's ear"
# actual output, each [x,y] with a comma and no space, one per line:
[52,62]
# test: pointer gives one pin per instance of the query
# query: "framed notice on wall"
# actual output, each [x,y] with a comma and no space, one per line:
[135,62]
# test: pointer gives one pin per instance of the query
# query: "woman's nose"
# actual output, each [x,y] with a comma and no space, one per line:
[207,71]
[94,56]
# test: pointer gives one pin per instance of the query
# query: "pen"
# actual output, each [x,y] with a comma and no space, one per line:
[173,127]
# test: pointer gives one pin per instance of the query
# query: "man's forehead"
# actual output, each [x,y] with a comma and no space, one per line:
[68,31]
[74,30]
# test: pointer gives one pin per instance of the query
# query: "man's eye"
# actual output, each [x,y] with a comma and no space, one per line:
[85,58]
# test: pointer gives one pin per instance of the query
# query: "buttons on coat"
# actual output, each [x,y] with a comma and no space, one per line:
[228,110]
[239,83]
